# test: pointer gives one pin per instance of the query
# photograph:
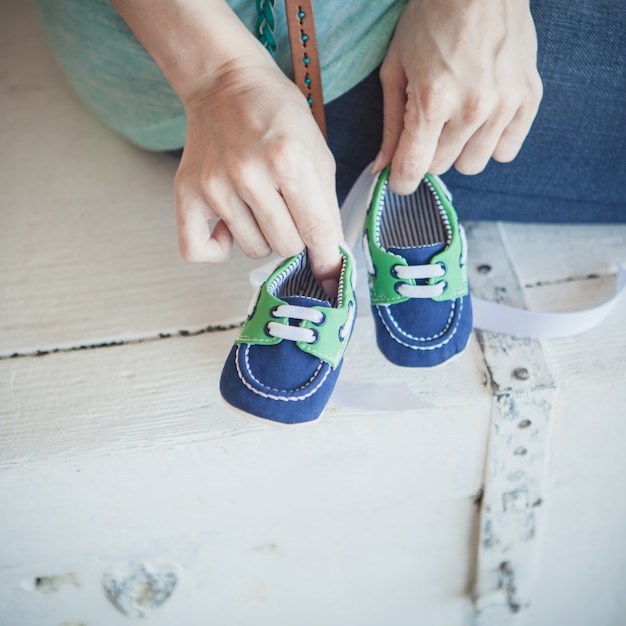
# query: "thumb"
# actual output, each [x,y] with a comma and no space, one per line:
[394,106]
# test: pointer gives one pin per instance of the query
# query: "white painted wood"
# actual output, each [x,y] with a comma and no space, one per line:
[165,392]
[583,561]
[595,357]
[564,252]
[126,453]
[516,461]
[338,518]
[119,455]
[256,538]
[88,248]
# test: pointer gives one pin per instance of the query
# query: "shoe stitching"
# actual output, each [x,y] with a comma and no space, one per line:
[442,212]
[256,380]
[259,340]
[412,347]
[426,245]
[284,274]
[409,336]
[273,396]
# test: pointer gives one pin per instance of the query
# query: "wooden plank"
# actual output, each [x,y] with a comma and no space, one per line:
[89,251]
[584,502]
[135,437]
[595,357]
[243,556]
[583,564]
[165,392]
[516,462]
[586,462]
[548,253]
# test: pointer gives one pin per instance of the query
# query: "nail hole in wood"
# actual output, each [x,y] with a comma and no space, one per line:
[521,373]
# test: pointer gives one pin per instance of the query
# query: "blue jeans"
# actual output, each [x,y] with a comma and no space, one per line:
[572,167]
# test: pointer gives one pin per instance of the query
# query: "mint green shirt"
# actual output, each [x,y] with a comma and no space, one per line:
[121,84]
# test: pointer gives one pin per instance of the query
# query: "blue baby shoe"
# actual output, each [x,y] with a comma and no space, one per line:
[286,360]
[415,251]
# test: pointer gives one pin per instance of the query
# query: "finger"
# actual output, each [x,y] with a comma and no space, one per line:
[428,109]
[474,110]
[196,242]
[515,133]
[451,143]
[480,146]
[327,175]
[317,224]
[416,148]
[245,229]
[477,152]
[272,216]
[394,105]
[238,216]
[330,283]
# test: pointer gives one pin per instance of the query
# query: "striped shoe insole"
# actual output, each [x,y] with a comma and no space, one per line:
[414,220]
[298,280]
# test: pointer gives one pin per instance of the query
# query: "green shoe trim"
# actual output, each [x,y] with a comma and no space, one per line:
[330,345]
[384,283]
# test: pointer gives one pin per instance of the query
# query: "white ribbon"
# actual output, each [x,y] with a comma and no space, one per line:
[500,318]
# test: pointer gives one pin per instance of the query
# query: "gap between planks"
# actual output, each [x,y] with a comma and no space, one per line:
[122,342]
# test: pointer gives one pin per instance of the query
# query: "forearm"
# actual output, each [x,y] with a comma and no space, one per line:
[190,40]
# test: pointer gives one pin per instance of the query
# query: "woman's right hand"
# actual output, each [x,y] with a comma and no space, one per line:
[255,158]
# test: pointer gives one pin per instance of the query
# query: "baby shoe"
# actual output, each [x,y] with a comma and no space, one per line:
[415,252]
[285,363]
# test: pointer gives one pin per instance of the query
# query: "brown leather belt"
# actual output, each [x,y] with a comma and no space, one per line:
[304,56]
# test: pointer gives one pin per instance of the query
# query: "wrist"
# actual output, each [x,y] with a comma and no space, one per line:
[191,40]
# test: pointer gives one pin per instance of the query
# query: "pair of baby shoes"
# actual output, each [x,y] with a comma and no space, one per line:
[284,365]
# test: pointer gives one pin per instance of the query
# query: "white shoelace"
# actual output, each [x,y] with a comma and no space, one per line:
[420,272]
[305,335]
[295,333]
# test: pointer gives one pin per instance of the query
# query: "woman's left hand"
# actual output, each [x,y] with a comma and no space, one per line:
[460,85]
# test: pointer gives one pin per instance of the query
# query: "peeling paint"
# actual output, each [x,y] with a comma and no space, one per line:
[137,590]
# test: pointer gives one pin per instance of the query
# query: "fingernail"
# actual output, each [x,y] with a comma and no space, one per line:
[331,287]
[377,163]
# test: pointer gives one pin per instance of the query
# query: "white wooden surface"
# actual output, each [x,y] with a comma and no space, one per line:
[115,455]
[583,561]
[516,470]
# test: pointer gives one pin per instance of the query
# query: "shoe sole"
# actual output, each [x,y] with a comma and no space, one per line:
[267,420]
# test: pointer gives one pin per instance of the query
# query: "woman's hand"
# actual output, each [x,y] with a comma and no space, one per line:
[255,158]
[460,86]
